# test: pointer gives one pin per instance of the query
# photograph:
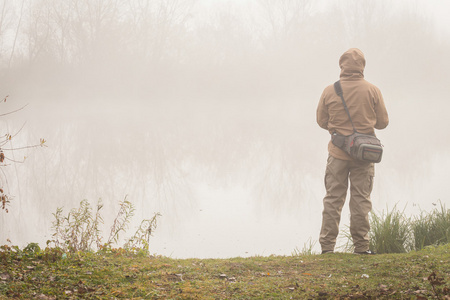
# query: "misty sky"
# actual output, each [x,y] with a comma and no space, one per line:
[439,10]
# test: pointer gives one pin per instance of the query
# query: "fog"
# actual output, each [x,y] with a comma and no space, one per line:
[204,111]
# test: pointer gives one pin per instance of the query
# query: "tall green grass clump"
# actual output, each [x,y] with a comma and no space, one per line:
[390,232]
[393,232]
[431,229]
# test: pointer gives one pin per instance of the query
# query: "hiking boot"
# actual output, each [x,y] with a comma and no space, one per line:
[367,252]
[327,252]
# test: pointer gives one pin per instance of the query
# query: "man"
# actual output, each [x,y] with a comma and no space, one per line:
[368,112]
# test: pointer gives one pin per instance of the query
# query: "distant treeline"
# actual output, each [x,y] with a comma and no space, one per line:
[174,48]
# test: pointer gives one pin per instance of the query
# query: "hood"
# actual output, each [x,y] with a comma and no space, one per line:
[352,64]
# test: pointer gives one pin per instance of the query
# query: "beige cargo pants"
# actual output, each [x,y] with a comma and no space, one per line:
[337,176]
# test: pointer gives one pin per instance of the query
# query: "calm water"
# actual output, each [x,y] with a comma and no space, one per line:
[234,187]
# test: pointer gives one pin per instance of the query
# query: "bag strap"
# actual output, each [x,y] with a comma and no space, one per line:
[338,90]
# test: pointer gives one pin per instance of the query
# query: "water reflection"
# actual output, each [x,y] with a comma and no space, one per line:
[228,223]
[241,188]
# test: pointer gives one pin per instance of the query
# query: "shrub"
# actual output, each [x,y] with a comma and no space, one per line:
[79,230]
[6,145]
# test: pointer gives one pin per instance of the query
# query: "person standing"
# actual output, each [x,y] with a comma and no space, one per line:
[368,112]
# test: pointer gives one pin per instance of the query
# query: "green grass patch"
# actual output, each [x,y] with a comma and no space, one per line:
[117,273]
[432,228]
[390,232]
[78,264]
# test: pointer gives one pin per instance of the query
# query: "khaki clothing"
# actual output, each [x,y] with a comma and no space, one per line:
[368,112]
[337,175]
[364,101]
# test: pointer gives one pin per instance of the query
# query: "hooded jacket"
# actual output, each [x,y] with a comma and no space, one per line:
[364,101]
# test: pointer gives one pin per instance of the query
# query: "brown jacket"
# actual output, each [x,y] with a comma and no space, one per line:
[364,100]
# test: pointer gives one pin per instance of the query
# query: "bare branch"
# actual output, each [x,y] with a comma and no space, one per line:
[25,147]
[18,131]
[16,161]
[11,112]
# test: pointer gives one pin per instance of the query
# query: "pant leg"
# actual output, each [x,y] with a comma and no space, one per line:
[336,184]
[361,184]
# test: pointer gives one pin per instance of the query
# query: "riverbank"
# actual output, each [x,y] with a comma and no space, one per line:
[50,274]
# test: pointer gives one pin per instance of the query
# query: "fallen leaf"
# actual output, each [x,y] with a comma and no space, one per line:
[180,276]
[44,297]
[383,287]
[434,279]
[5,276]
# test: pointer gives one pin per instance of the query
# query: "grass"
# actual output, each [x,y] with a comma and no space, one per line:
[117,273]
[432,228]
[81,266]
[307,248]
[390,232]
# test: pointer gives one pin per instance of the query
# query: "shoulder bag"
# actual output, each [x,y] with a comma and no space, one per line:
[362,147]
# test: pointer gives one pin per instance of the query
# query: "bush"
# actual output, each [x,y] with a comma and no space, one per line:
[79,230]
[6,145]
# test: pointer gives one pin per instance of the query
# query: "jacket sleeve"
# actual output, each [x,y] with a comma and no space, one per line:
[322,113]
[381,112]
